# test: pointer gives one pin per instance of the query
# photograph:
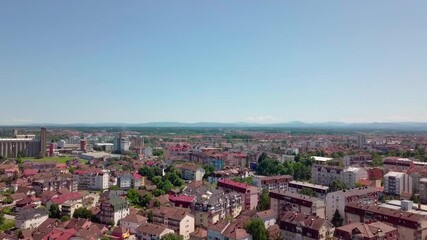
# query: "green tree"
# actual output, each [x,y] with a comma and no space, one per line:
[64,218]
[54,211]
[377,160]
[157,203]
[166,186]
[209,169]
[172,236]
[133,196]
[158,192]
[150,216]
[262,157]
[82,213]
[337,220]
[308,192]
[256,228]
[264,201]
[145,200]
[337,185]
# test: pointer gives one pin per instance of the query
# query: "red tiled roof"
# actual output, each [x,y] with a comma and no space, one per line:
[63,198]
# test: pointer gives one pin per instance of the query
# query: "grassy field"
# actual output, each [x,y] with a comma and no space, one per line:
[52,159]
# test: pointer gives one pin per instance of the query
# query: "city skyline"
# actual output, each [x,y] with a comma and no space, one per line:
[222,61]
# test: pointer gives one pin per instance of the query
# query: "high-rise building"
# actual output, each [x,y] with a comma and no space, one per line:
[43,141]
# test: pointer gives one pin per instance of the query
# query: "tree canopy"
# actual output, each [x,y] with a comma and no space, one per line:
[172,236]
[256,228]
[264,200]
[82,213]
[337,220]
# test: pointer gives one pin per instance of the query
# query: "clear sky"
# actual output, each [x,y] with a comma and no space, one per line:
[218,60]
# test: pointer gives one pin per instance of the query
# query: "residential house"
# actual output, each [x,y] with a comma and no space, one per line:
[272,182]
[368,231]
[132,221]
[30,218]
[148,231]
[178,219]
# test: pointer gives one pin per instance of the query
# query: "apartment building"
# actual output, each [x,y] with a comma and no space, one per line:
[178,219]
[210,205]
[272,182]
[297,187]
[132,222]
[113,210]
[54,182]
[397,164]
[409,225]
[92,179]
[368,231]
[357,160]
[325,175]
[397,183]
[339,199]
[296,225]
[282,201]
[30,218]
[191,171]
[249,193]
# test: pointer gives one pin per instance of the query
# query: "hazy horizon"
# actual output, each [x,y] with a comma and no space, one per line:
[212,61]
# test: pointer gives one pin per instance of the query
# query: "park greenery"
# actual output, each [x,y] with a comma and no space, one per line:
[300,169]
[164,182]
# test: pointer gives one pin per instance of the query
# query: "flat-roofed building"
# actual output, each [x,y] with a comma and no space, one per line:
[272,182]
[397,183]
[297,187]
[282,201]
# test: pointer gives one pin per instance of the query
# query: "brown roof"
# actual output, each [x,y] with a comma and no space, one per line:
[171,213]
[309,221]
[267,214]
[134,218]
[371,230]
[199,233]
[151,229]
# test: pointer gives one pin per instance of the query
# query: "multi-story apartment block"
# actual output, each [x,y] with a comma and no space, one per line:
[210,205]
[177,219]
[411,226]
[282,201]
[357,160]
[272,182]
[339,199]
[297,187]
[423,190]
[113,210]
[124,181]
[30,218]
[397,183]
[325,175]
[148,231]
[351,175]
[397,164]
[369,231]
[249,193]
[296,225]
[54,183]
[93,179]
[191,171]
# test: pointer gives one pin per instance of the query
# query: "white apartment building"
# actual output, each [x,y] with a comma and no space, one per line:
[351,175]
[397,182]
[93,179]
[325,175]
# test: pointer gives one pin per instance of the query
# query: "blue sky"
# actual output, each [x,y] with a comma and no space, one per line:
[224,61]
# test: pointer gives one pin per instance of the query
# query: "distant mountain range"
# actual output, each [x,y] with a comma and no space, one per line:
[413,126]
